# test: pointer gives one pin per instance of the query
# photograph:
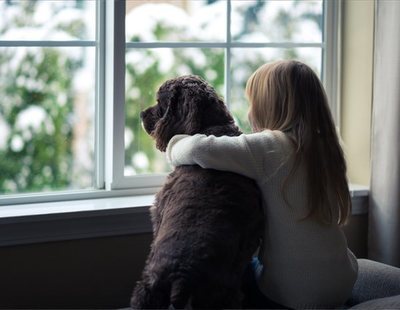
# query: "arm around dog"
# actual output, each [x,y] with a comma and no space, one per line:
[244,154]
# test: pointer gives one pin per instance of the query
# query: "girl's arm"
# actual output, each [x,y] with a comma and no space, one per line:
[244,154]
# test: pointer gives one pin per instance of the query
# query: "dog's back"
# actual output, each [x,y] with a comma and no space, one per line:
[207,225]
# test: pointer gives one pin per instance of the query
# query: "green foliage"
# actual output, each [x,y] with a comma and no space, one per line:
[44,160]
[38,153]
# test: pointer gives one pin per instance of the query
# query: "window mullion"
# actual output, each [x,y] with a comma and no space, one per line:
[25,43]
[114,92]
[99,182]
[331,56]
[228,55]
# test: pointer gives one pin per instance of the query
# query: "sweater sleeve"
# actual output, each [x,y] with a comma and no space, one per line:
[244,154]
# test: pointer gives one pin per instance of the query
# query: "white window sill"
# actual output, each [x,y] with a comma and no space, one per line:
[77,219]
[68,220]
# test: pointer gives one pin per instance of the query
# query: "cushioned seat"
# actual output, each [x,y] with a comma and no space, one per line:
[392,302]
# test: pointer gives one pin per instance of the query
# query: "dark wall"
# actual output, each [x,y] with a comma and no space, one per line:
[93,273]
[356,231]
[90,273]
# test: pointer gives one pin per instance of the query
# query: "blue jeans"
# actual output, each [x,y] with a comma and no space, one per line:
[253,297]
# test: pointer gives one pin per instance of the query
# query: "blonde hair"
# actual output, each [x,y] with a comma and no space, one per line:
[288,96]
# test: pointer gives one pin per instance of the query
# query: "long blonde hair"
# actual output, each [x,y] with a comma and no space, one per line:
[288,96]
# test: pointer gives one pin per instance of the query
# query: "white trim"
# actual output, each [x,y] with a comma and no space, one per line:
[115,93]
[22,212]
[71,195]
[357,190]
[336,101]
[140,181]
[220,44]
[75,43]
[331,57]
[227,69]
[100,124]
[109,92]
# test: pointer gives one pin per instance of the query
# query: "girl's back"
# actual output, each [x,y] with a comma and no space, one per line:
[306,263]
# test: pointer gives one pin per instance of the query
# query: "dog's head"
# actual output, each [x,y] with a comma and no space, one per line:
[185,105]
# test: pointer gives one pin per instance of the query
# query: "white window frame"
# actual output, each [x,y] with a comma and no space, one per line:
[110,46]
[115,178]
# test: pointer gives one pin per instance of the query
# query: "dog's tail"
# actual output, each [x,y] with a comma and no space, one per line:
[146,297]
[160,297]
[180,294]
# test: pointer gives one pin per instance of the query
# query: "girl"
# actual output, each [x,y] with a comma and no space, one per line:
[295,157]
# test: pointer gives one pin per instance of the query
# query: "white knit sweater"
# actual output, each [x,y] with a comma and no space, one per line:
[306,264]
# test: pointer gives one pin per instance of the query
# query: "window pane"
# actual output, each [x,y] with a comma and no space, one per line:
[246,60]
[179,20]
[46,20]
[146,70]
[277,21]
[46,118]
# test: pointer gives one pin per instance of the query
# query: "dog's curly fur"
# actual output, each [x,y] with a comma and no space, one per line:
[206,223]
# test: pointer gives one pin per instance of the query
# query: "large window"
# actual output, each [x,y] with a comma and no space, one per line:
[75,75]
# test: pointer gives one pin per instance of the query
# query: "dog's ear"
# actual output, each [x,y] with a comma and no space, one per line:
[184,114]
[202,108]
[217,113]
[165,128]
[190,109]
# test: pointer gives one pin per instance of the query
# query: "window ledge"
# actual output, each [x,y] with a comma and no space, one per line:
[78,219]
[359,198]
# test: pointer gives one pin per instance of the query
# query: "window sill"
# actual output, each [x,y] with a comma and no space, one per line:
[78,219]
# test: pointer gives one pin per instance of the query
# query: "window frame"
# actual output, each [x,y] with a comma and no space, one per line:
[111,45]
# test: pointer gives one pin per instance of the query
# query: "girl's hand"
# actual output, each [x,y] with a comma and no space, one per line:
[172,153]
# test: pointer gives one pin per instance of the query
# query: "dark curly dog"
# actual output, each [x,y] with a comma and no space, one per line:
[206,223]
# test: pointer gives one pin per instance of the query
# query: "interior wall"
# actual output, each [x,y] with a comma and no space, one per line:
[87,274]
[96,273]
[356,86]
[356,231]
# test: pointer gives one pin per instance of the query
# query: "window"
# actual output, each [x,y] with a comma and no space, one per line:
[75,74]
[47,82]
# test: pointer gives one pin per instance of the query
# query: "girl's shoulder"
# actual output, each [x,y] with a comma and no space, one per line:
[272,139]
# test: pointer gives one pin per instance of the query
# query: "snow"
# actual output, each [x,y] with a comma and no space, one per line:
[46,19]
[128,136]
[140,160]
[4,133]
[166,59]
[142,21]
[208,22]
[17,143]
[201,22]
[269,30]
[31,120]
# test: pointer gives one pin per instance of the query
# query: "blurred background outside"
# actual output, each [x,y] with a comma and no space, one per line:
[47,107]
